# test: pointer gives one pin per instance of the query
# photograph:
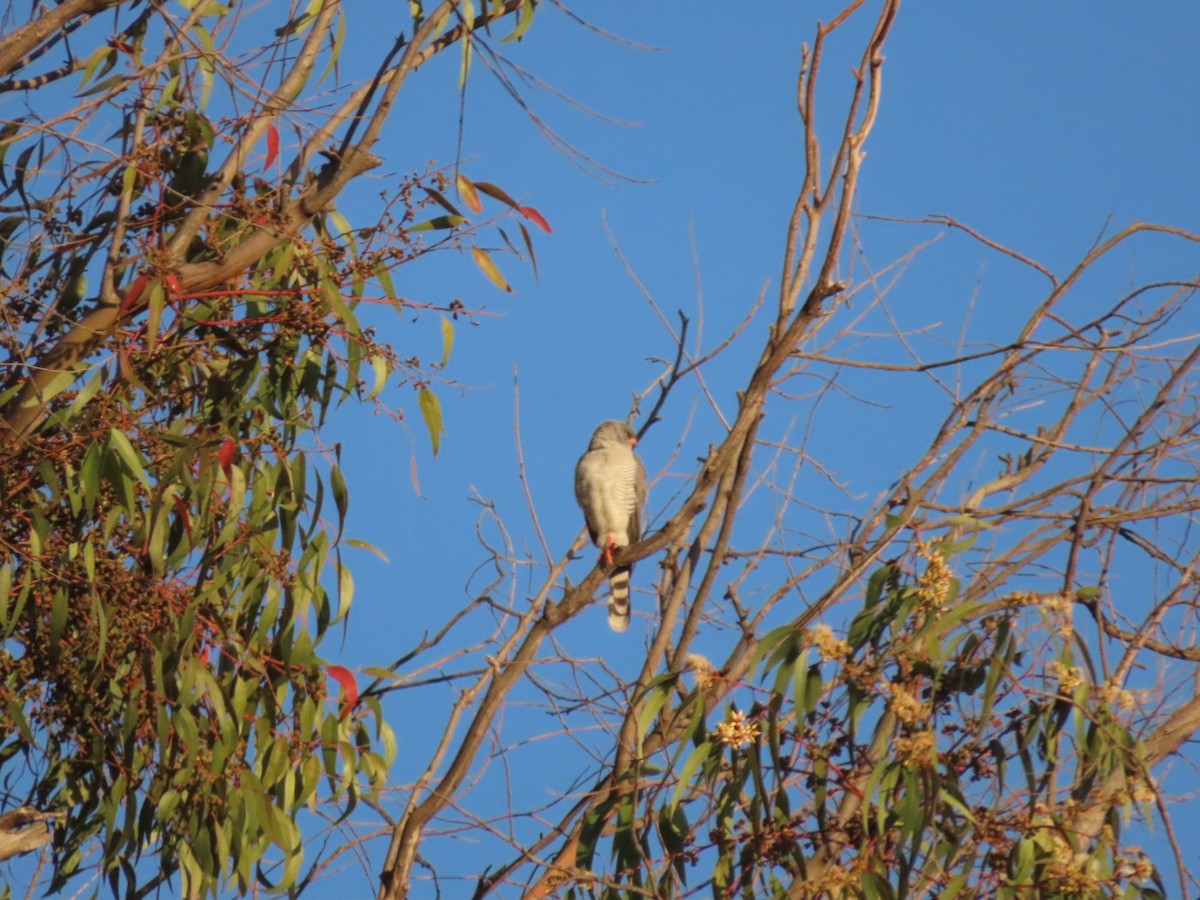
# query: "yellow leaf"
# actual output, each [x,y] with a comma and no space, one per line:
[484,260]
[467,191]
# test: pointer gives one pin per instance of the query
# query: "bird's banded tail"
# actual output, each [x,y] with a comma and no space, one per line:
[618,600]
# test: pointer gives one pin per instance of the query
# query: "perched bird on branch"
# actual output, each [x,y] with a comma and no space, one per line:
[610,485]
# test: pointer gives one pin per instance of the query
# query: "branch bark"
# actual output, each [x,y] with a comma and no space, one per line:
[23,41]
[24,830]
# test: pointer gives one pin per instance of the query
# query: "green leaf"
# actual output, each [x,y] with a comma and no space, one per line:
[58,617]
[341,497]
[438,223]
[118,442]
[6,573]
[447,340]
[17,717]
[363,545]
[8,225]
[656,696]
[345,589]
[382,369]
[158,297]
[467,12]
[7,130]
[431,411]
[59,383]
[384,276]
[524,20]
[343,230]
[167,95]
[806,684]
[387,737]
[99,64]
[335,51]
[85,395]
[337,305]
[205,60]
[698,757]
[129,180]
[589,833]
[673,830]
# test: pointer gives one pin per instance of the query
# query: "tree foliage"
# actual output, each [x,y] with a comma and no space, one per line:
[181,313]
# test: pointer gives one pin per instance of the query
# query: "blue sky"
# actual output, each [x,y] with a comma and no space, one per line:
[1035,125]
[1039,124]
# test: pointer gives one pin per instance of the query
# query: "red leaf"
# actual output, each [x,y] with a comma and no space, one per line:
[272,146]
[345,678]
[172,282]
[535,217]
[413,470]
[181,509]
[134,291]
[225,456]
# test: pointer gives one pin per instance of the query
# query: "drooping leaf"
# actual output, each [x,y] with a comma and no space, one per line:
[345,589]
[467,12]
[8,225]
[483,259]
[467,191]
[431,411]
[412,471]
[336,44]
[341,496]
[529,248]
[272,146]
[524,20]
[370,548]
[98,65]
[381,368]
[535,217]
[447,340]
[118,441]
[156,303]
[384,275]
[338,306]
[225,456]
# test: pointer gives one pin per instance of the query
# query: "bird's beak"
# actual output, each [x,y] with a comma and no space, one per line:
[633,441]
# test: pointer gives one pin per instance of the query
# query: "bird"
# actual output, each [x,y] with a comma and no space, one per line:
[610,486]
